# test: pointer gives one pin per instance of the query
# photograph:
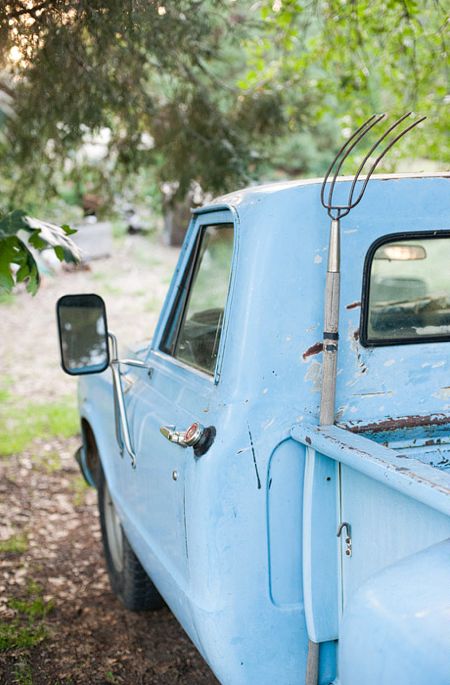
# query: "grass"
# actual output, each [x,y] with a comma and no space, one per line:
[100,276]
[104,283]
[27,628]
[4,396]
[23,674]
[80,487]
[145,257]
[153,304]
[50,462]
[119,228]
[20,425]
[16,544]
[33,606]
[13,635]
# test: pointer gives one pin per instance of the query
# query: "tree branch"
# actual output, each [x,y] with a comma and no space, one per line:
[15,14]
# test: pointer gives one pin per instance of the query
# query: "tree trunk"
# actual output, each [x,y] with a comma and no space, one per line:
[177,214]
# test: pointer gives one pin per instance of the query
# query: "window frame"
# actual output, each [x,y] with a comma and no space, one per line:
[175,314]
[364,319]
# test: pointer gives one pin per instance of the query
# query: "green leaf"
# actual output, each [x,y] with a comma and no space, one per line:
[12,223]
[59,252]
[23,273]
[7,254]
[44,234]
[14,251]
[67,230]
[36,241]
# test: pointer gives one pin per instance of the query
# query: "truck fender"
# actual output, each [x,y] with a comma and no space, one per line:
[396,628]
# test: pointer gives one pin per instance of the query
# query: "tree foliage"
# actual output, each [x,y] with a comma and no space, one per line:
[213,91]
[150,73]
[18,233]
[363,56]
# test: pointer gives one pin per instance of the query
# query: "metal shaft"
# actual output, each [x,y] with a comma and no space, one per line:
[329,368]
[312,664]
[331,328]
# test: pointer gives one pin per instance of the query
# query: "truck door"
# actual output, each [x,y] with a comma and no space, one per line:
[184,372]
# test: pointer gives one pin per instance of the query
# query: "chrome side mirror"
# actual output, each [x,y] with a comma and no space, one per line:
[83,334]
[84,341]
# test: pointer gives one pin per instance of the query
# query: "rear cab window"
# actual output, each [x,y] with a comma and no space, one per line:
[406,293]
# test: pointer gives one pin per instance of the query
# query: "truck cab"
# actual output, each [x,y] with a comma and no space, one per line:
[265,532]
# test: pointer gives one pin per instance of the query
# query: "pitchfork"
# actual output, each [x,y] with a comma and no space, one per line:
[331,318]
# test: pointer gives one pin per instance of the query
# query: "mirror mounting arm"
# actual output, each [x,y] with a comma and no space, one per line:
[120,412]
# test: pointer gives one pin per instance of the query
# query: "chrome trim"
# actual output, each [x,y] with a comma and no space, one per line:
[134,362]
[179,437]
[117,415]
[120,413]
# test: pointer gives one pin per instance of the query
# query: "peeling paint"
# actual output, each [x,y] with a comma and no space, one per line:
[443,393]
[353,337]
[353,305]
[314,349]
[431,480]
[314,376]
[389,362]
[268,423]
[340,412]
[392,424]
[318,259]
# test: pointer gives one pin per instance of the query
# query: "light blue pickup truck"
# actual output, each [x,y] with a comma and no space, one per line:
[289,500]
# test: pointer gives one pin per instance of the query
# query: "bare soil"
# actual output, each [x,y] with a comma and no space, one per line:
[89,638]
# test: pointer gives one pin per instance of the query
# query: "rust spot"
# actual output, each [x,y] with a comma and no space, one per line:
[353,305]
[429,443]
[399,423]
[356,334]
[314,349]
[308,440]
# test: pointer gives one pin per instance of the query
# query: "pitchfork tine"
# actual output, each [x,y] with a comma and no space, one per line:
[368,155]
[352,204]
[340,152]
[354,140]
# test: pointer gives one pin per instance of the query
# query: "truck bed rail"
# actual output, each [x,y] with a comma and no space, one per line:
[409,476]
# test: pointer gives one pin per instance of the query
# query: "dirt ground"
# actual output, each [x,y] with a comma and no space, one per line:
[59,622]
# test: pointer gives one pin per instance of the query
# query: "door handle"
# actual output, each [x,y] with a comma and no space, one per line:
[188,438]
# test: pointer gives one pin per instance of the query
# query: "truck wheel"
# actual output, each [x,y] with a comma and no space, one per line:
[128,579]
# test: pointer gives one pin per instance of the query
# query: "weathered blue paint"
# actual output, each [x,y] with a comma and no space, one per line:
[398,622]
[243,544]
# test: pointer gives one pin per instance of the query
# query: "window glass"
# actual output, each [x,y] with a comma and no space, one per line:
[409,291]
[195,334]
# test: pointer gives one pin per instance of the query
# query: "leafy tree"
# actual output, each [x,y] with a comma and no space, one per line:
[362,57]
[142,69]
[211,91]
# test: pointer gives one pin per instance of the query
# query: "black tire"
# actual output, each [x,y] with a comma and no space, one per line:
[127,577]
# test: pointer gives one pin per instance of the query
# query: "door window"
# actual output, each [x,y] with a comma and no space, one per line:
[194,329]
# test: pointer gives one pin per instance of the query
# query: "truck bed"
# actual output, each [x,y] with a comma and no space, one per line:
[423,438]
